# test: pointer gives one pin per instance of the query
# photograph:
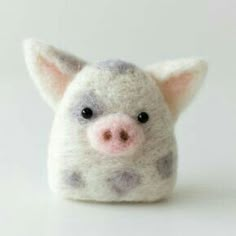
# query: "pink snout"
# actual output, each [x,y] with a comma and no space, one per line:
[115,134]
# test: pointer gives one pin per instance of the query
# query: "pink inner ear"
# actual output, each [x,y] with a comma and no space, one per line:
[58,80]
[50,68]
[175,88]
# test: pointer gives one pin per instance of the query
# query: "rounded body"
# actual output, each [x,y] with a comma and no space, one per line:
[113,134]
[79,170]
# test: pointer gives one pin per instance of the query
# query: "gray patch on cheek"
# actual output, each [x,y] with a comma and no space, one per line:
[74,179]
[123,181]
[90,100]
[116,66]
[165,166]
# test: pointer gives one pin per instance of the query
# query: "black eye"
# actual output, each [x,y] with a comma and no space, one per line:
[143,117]
[87,113]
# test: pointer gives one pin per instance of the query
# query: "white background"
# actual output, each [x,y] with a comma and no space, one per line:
[143,32]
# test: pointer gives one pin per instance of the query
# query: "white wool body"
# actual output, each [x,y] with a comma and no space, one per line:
[116,89]
[70,150]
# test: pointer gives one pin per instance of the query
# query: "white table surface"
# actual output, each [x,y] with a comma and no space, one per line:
[204,201]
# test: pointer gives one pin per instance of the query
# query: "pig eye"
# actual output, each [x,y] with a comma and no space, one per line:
[143,117]
[87,113]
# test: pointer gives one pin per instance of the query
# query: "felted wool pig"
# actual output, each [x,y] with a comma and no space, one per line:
[113,134]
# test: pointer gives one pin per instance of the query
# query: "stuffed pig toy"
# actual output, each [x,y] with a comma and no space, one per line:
[113,134]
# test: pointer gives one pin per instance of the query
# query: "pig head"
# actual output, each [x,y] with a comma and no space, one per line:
[113,134]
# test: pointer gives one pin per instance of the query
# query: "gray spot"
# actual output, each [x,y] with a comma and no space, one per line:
[123,181]
[90,100]
[74,179]
[165,165]
[116,66]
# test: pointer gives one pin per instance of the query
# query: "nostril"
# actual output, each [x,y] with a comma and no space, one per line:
[107,135]
[124,136]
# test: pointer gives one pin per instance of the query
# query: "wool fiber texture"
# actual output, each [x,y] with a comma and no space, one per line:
[112,138]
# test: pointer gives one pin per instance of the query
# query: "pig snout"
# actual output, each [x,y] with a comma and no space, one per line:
[115,134]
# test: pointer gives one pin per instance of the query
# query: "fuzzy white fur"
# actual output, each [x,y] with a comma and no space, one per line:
[51,69]
[76,169]
[169,75]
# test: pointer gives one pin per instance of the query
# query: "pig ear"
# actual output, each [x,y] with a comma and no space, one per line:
[51,69]
[179,81]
